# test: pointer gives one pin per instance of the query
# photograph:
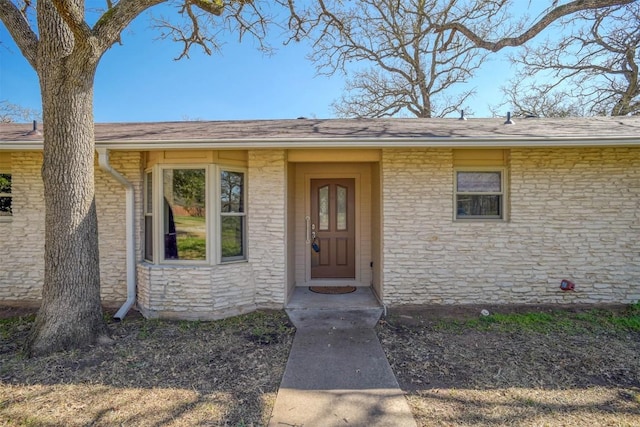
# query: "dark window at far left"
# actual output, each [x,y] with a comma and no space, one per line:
[5,194]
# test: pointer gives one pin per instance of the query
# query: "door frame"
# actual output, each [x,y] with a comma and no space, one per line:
[307,213]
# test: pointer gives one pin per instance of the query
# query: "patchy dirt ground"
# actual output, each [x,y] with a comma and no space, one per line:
[457,368]
[158,373]
[573,368]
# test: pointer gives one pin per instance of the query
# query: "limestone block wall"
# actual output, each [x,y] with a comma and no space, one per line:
[111,207]
[22,251]
[195,293]
[573,213]
[267,202]
[22,248]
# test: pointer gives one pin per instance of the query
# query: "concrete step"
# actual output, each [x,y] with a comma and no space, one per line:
[334,318]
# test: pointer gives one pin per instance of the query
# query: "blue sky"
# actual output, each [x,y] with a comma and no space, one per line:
[140,81]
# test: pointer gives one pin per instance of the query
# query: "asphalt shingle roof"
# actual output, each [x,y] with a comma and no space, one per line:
[351,132]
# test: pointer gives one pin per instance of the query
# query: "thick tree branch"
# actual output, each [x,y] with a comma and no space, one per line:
[73,16]
[215,7]
[108,28]
[20,31]
[555,14]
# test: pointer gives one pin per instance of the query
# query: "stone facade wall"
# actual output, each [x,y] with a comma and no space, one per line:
[266,206]
[111,207]
[573,214]
[22,248]
[22,251]
[196,293]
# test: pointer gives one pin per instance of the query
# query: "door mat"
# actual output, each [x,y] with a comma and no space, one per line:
[333,290]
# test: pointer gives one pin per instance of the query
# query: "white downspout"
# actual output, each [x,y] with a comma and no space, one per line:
[103,161]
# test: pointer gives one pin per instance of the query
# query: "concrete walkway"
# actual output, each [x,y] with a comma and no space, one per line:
[337,374]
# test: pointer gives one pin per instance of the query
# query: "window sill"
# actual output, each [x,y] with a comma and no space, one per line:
[479,220]
[6,219]
[233,261]
[187,264]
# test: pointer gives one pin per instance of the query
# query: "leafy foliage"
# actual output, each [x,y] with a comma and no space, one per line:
[189,190]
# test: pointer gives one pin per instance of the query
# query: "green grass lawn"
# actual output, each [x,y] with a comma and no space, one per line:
[191,237]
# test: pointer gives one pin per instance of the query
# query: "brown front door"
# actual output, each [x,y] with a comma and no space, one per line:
[333,227]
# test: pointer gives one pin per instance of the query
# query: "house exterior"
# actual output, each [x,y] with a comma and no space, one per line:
[202,220]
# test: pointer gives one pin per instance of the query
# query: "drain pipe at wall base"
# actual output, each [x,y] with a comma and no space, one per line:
[103,161]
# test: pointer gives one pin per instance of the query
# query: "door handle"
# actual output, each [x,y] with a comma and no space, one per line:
[307,220]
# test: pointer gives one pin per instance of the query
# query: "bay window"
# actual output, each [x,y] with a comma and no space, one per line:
[180,223]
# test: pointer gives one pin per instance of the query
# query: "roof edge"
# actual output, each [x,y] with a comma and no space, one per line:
[333,143]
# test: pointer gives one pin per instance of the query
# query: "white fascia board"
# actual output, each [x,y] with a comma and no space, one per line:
[257,143]
[21,146]
[498,142]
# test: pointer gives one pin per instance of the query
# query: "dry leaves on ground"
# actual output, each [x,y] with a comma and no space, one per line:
[157,373]
[226,373]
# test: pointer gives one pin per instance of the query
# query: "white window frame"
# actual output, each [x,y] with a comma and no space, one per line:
[149,214]
[212,216]
[7,218]
[221,214]
[503,194]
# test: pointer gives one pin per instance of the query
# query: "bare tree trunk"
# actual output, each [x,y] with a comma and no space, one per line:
[70,315]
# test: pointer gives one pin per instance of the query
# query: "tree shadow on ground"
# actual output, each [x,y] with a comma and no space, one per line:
[156,373]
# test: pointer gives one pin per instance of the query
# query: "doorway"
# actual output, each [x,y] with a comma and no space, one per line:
[346,227]
[333,228]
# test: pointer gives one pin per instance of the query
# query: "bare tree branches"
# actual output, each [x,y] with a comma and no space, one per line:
[199,23]
[10,113]
[538,100]
[555,13]
[15,19]
[397,64]
[596,66]
[194,24]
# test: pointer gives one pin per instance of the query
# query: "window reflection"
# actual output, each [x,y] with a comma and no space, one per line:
[185,214]
[479,194]
[231,184]
[342,208]
[323,208]
[233,217]
[148,217]
[479,182]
